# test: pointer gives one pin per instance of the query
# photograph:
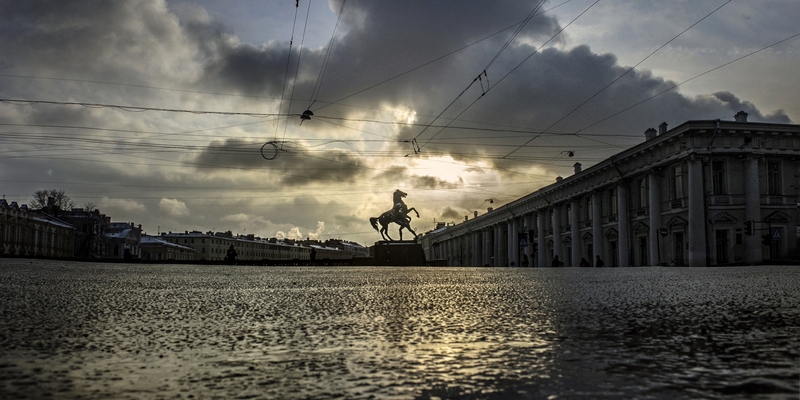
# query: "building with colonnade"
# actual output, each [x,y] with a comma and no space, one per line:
[704,193]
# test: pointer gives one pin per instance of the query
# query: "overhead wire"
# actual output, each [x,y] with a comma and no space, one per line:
[671,88]
[620,76]
[318,84]
[515,68]
[286,71]
[434,60]
[417,148]
[296,71]
[139,109]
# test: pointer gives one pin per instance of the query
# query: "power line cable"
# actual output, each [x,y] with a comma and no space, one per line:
[621,76]
[318,84]
[417,148]
[513,35]
[296,71]
[139,109]
[687,80]
[512,70]
[435,59]
[286,72]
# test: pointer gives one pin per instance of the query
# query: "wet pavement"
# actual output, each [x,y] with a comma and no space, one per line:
[119,331]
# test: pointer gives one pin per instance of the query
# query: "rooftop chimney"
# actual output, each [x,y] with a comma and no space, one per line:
[662,129]
[741,116]
[559,178]
[650,133]
[577,168]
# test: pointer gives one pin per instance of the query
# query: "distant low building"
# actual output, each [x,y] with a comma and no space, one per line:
[90,230]
[123,241]
[158,249]
[24,232]
[211,246]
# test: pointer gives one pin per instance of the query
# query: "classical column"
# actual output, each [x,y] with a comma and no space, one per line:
[476,249]
[557,211]
[752,210]
[528,228]
[697,223]
[623,225]
[540,230]
[575,207]
[597,226]
[513,242]
[502,250]
[655,216]
[497,247]
[488,242]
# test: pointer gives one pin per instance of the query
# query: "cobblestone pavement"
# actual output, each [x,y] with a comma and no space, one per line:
[131,331]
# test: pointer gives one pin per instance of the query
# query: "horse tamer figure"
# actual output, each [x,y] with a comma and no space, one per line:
[398,214]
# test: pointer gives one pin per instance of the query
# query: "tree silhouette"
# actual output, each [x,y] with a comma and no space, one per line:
[41,200]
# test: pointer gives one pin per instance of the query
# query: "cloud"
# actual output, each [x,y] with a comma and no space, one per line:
[451,214]
[293,234]
[390,61]
[733,103]
[123,205]
[316,234]
[173,207]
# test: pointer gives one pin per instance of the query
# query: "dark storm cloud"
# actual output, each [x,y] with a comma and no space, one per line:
[734,103]
[400,174]
[382,39]
[237,67]
[85,38]
[230,153]
[450,214]
[290,165]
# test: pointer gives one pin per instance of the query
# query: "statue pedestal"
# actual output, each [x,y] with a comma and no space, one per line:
[405,253]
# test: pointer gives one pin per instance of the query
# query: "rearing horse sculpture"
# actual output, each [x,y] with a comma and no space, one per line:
[398,214]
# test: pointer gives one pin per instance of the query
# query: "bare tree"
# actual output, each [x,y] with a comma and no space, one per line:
[41,199]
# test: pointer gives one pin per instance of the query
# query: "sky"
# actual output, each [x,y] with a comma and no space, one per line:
[185,115]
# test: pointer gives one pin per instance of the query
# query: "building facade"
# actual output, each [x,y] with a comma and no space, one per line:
[24,232]
[158,249]
[703,193]
[123,241]
[214,247]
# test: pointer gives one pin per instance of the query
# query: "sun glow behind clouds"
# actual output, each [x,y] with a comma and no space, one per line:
[404,115]
[448,169]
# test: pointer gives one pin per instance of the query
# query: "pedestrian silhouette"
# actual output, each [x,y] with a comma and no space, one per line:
[231,255]
[598,262]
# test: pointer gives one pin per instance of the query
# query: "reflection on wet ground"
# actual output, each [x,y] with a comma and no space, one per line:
[97,331]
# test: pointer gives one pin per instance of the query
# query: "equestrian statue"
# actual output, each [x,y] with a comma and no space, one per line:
[398,214]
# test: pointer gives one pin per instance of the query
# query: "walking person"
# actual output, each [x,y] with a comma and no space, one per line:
[598,263]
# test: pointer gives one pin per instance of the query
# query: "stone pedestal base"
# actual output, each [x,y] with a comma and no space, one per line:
[405,253]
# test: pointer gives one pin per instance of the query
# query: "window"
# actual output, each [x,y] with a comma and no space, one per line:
[613,201]
[718,178]
[589,208]
[676,182]
[774,178]
[569,215]
[643,193]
